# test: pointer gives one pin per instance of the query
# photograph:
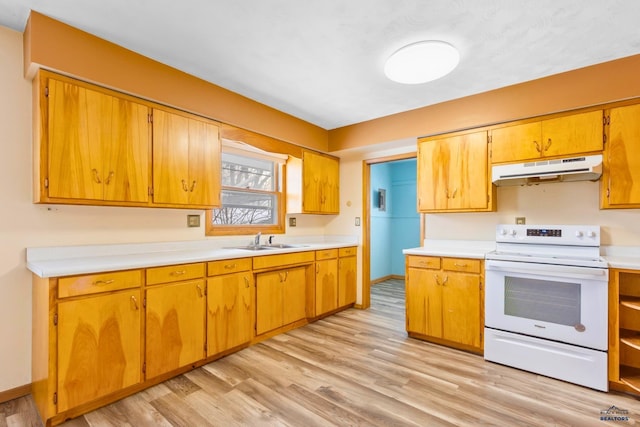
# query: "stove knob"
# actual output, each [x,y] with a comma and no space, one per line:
[579,233]
[512,232]
[591,234]
[503,232]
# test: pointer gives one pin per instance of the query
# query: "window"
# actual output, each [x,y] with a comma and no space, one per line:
[251,192]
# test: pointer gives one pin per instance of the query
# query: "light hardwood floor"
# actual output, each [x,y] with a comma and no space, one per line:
[357,367]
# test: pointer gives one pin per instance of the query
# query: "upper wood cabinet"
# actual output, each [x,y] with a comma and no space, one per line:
[186,160]
[313,184]
[94,146]
[453,174]
[560,136]
[621,172]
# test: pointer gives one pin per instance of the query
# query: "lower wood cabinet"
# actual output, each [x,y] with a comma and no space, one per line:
[98,347]
[347,276]
[280,298]
[444,300]
[326,281]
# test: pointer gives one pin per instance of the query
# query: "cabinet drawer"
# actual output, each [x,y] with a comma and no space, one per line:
[423,261]
[174,273]
[461,264]
[216,268]
[96,283]
[348,251]
[326,254]
[271,261]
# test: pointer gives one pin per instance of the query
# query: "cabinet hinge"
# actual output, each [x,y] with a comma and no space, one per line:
[46,91]
[144,368]
[606,120]
[144,302]
[150,191]
[55,319]
[46,183]
[150,118]
[608,192]
[205,349]
[55,398]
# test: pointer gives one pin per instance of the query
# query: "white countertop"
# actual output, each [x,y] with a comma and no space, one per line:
[453,248]
[622,256]
[70,260]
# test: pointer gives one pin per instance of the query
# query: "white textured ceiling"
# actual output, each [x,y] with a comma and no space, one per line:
[322,60]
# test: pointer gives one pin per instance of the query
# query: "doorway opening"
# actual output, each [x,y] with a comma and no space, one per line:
[390,219]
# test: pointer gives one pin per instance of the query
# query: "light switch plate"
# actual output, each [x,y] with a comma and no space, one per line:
[357,221]
[193,220]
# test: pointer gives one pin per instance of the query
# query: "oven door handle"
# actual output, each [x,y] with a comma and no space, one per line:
[564,271]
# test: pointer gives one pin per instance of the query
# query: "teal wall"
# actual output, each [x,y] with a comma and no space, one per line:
[398,227]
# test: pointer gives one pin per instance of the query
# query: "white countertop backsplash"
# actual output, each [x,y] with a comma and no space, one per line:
[57,261]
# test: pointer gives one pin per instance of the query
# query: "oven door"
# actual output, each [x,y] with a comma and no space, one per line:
[561,303]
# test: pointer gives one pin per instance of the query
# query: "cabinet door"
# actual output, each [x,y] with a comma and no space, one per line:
[621,180]
[294,295]
[98,346]
[326,286]
[574,134]
[205,163]
[170,158]
[78,128]
[269,303]
[321,183]
[468,181]
[98,145]
[433,160]
[175,326]
[229,311]
[347,281]
[461,308]
[516,143]
[424,302]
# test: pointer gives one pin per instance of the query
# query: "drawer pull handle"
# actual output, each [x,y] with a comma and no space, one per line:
[424,263]
[200,293]
[229,266]
[459,265]
[103,282]
[178,272]
[135,302]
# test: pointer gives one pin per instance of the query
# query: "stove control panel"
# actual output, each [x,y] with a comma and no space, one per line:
[575,235]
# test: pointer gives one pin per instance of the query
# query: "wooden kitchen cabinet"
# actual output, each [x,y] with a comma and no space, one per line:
[94,145]
[554,137]
[624,330]
[99,346]
[326,281]
[347,276]
[229,305]
[280,298]
[313,184]
[444,300]
[186,160]
[175,318]
[453,174]
[620,183]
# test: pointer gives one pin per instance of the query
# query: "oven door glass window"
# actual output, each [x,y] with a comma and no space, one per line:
[547,301]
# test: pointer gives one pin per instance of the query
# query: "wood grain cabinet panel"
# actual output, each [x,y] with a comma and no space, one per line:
[186,160]
[453,174]
[99,347]
[347,277]
[621,175]
[229,311]
[313,184]
[561,136]
[98,145]
[280,298]
[446,304]
[326,285]
[175,326]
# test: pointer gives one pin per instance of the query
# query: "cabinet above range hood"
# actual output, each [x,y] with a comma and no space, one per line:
[583,168]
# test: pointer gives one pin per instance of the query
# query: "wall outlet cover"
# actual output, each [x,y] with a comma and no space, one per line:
[292,222]
[521,220]
[193,220]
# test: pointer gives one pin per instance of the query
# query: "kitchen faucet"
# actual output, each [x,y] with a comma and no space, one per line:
[256,240]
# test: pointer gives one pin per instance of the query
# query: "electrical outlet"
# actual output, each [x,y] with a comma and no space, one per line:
[521,220]
[292,222]
[357,221]
[193,220]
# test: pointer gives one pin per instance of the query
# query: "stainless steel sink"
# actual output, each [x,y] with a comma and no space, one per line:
[263,247]
[283,246]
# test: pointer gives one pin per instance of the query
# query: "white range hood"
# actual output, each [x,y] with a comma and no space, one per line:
[583,168]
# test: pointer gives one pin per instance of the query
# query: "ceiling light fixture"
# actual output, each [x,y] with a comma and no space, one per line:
[422,62]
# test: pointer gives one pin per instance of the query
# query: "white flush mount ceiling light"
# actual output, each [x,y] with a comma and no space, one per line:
[422,62]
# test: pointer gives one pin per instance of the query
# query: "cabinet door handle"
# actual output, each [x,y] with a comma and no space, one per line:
[229,266]
[453,195]
[193,186]
[108,180]
[437,279]
[538,149]
[200,293]
[548,145]
[246,282]
[184,186]
[103,282]
[135,302]
[286,275]
[96,176]
[445,280]
[178,272]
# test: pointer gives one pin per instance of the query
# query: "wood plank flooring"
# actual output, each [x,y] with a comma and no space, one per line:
[356,368]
